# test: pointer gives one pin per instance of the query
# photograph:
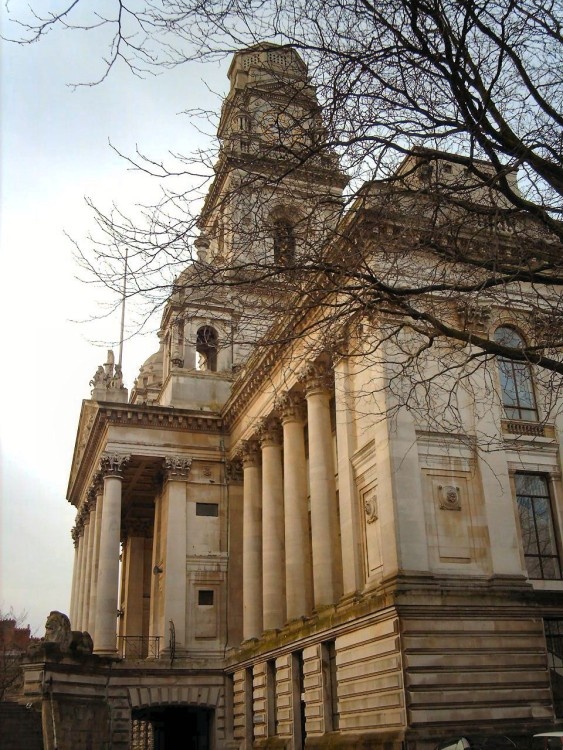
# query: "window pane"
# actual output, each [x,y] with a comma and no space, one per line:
[531,484]
[533,567]
[529,541]
[507,383]
[550,569]
[523,385]
[509,337]
[546,539]
[536,524]
[515,379]
[205,598]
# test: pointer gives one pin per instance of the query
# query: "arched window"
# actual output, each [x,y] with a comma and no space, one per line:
[515,379]
[284,242]
[206,347]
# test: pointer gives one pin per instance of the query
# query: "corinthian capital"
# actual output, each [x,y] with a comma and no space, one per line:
[113,464]
[91,497]
[317,376]
[269,431]
[177,467]
[249,453]
[75,534]
[291,406]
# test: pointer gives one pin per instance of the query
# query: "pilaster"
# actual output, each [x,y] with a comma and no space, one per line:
[134,576]
[176,473]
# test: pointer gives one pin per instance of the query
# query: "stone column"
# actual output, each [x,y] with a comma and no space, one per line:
[90,534]
[96,529]
[81,566]
[84,592]
[350,525]
[322,487]
[273,535]
[105,641]
[298,569]
[75,574]
[176,472]
[252,541]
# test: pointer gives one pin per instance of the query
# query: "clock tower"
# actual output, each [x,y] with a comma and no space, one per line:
[275,199]
[278,188]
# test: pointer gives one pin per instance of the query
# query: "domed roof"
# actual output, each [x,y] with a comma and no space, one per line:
[150,372]
[154,359]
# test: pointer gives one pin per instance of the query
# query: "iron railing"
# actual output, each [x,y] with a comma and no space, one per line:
[138,646]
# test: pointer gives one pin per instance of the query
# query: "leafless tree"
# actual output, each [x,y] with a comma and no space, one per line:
[417,252]
[14,639]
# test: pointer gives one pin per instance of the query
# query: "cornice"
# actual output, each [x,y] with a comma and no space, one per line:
[248,383]
[160,417]
[97,417]
[268,166]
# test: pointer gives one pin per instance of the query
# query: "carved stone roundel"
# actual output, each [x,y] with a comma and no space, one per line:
[449,497]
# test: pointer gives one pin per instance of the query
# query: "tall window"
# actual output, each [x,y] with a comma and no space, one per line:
[515,379]
[206,347]
[536,522]
[284,242]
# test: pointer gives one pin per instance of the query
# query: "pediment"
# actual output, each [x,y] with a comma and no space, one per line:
[85,425]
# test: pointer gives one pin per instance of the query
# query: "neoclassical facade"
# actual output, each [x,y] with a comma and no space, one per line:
[278,546]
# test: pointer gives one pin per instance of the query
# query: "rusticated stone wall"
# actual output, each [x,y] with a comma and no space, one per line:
[75,724]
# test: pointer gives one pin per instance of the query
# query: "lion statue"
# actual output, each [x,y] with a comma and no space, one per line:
[57,630]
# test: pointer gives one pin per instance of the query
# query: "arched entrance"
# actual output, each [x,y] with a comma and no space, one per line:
[171,728]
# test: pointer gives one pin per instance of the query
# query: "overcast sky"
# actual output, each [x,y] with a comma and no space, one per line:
[54,152]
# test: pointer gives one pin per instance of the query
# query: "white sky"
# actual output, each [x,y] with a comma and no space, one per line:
[54,151]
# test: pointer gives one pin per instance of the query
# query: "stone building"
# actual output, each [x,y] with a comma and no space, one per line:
[305,561]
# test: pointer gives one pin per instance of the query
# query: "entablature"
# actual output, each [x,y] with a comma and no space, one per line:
[97,419]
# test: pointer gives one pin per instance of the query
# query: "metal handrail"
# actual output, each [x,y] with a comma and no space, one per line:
[138,646]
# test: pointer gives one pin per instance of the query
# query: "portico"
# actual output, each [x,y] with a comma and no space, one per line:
[131,533]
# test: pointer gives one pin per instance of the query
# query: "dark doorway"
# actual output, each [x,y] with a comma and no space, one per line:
[171,728]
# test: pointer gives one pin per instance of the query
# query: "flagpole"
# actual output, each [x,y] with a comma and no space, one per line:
[122,330]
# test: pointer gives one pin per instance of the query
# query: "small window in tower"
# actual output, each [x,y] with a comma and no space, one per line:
[205,598]
[206,348]
[284,242]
